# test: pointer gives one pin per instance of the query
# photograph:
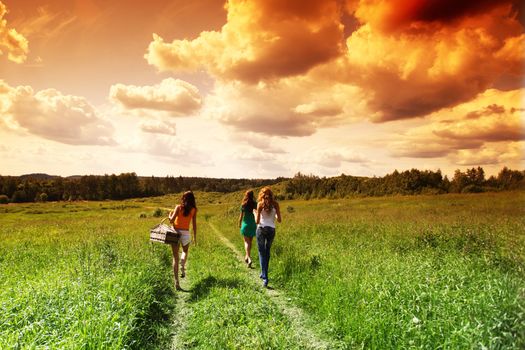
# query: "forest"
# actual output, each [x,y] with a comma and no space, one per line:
[42,187]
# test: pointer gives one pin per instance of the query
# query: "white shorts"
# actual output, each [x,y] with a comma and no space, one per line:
[185,237]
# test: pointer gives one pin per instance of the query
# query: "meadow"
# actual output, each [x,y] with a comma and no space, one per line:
[438,272]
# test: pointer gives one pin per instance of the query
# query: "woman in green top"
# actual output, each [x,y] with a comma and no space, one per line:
[247,224]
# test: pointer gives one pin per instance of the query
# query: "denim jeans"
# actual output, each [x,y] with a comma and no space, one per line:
[265,236]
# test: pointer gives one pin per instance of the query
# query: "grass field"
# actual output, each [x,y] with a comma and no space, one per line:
[439,272]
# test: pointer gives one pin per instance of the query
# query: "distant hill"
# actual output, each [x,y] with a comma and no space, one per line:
[38,176]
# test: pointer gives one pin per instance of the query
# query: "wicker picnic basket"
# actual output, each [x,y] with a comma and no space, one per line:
[163,233]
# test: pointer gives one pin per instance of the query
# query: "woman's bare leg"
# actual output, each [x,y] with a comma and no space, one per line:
[184,258]
[175,250]
[247,250]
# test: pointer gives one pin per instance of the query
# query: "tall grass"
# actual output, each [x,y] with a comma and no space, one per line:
[81,277]
[442,272]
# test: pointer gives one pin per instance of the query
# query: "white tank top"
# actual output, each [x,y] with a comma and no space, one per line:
[267,218]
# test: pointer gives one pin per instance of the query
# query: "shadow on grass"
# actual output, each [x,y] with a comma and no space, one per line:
[203,287]
[153,323]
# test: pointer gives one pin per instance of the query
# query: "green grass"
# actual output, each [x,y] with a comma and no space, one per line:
[229,311]
[438,272]
[442,272]
[81,276]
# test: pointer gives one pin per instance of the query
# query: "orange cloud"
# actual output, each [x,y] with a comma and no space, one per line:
[12,42]
[171,95]
[510,154]
[262,40]
[54,116]
[399,14]
[420,69]
[406,59]
[487,126]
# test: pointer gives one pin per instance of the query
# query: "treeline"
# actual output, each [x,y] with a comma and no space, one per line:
[403,183]
[41,187]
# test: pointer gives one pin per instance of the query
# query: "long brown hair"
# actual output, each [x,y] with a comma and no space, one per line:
[187,203]
[266,198]
[248,202]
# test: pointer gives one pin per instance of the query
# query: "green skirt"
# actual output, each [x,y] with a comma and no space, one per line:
[248,229]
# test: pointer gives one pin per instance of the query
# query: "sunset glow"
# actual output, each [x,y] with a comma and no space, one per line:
[261,88]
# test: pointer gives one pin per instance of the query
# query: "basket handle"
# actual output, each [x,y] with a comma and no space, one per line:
[164,220]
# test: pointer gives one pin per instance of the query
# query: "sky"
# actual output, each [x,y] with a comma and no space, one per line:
[261,88]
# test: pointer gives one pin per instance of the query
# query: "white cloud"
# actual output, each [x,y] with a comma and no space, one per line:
[159,127]
[50,114]
[175,96]
[289,107]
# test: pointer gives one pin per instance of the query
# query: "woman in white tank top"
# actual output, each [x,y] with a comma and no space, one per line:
[267,212]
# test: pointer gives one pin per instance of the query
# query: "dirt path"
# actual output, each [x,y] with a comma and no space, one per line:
[184,312]
[295,315]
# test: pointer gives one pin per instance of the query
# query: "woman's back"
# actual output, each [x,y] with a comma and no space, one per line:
[183,222]
[248,216]
[268,217]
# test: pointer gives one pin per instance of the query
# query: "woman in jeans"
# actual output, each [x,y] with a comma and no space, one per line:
[267,212]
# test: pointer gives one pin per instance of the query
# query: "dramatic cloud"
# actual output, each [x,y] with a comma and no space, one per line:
[54,116]
[283,68]
[11,42]
[510,154]
[484,126]
[395,14]
[171,95]
[262,40]
[419,69]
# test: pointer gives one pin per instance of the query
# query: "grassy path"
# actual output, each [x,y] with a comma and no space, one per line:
[301,324]
[179,325]
[222,307]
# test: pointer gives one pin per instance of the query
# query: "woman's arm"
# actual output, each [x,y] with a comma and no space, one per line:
[240,217]
[259,208]
[277,211]
[173,214]
[195,227]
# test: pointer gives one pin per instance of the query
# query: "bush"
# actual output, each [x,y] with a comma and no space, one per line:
[4,199]
[42,197]
[158,213]
[472,189]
